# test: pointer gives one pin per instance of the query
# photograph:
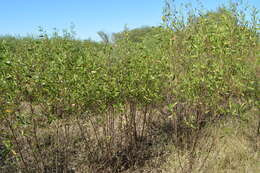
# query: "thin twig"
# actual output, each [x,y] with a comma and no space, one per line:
[17,144]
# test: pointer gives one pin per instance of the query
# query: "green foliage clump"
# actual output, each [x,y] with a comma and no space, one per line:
[213,51]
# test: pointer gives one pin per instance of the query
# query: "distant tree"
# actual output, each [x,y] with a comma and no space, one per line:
[104,36]
[135,35]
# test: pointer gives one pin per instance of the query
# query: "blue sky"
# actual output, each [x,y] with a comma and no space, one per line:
[22,17]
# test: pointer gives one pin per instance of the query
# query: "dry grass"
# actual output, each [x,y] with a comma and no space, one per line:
[228,145]
[233,146]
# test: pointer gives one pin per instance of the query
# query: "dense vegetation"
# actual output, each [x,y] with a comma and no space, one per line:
[71,105]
